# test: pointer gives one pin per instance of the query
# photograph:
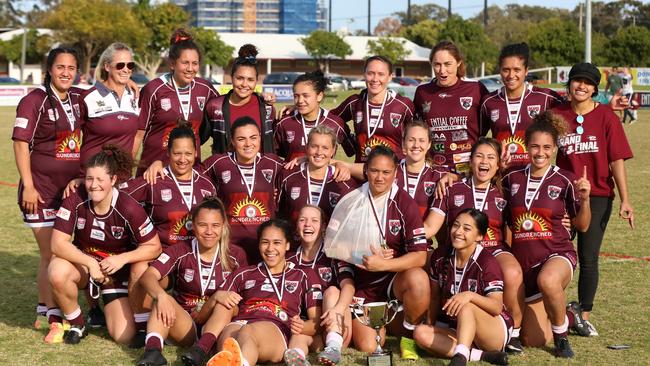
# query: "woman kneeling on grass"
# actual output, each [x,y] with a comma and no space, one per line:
[468,282]
[263,302]
[112,238]
[199,269]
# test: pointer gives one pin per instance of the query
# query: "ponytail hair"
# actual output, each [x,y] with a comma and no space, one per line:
[180,41]
[214,203]
[116,161]
[51,58]
[316,78]
[547,122]
[247,57]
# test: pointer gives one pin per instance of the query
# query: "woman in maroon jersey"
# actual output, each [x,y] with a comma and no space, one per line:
[468,295]
[180,315]
[379,114]
[481,190]
[539,196]
[263,301]
[596,140]
[449,104]
[241,101]
[179,94]
[312,182]
[46,141]
[111,234]
[291,132]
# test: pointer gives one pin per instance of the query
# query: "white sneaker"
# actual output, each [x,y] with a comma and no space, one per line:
[592,330]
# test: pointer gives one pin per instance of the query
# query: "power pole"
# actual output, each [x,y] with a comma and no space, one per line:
[485,14]
[408,12]
[369,17]
[23,55]
[449,9]
[588,31]
[329,22]
[580,19]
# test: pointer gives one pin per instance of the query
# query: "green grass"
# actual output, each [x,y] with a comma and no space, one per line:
[621,314]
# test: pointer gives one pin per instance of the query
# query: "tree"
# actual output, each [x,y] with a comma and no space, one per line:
[322,45]
[420,13]
[215,51]
[388,26]
[160,21]
[629,47]
[473,43]
[391,48]
[37,46]
[556,42]
[424,33]
[9,15]
[92,25]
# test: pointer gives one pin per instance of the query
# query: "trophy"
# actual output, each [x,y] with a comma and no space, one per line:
[377,315]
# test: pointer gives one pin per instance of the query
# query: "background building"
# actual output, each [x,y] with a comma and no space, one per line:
[257,16]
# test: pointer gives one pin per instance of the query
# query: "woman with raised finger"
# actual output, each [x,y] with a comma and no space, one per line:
[46,141]
[199,268]
[98,235]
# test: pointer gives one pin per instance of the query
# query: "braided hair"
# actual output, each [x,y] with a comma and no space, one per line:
[51,58]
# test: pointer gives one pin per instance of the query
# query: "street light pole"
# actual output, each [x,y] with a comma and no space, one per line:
[329,22]
[588,31]
[369,18]
[23,56]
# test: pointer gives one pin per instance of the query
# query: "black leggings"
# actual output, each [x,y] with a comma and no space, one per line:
[589,248]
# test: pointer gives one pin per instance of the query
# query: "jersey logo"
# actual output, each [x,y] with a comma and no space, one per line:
[500,203]
[165,104]
[166,195]
[459,199]
[49,213]
[225,176]
[428,188]
[439,159]
[494,115]
[97,234]
[472,285]
[201,102]
[117,231]
[53,114]
[188,275]
[163,258]
[291,286]
[268,174]
[325,274]
[395,118]
[554,192]
[63,213]
[394,226]
[295,193]
[205,193]
[290,136]
[21,122]
[466,102]
[439,137]
[426,106]
[359,117]
[81,223]
[514,188]
[334,198]
[533,110]
[249,284]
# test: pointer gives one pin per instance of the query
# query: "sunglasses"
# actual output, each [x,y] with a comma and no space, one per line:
[121,65]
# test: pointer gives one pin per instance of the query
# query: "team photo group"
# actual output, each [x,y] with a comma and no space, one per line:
[274,250]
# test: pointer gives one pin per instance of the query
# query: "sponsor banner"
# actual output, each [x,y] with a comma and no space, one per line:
[283,93]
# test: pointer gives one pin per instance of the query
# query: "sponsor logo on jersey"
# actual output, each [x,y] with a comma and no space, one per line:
[295,193]
[454,146]
[429,187]
[97,234]
[201,102]
[163,258]
[394,226]
[459,135]
[291,286]
[533,110]
[166,195]
[530,226]
[117,231]
[49,213]
[444,95]
[146,227]
[358,117]
[472,285]
[225,176]
[325,274]
[554,192]
[334,198]
[52,114]
[419,231]
[290,136]
[165,104]
[68,145]
[31,216]
[249,284]
[466,102]
[439,137]
[500,203]
[395,118]
[188,275]
[514,188]
[462,157]
[63,213]
[268,174]
[370,144]
[439,147]
[426,107]
[21,122]
[494,115]
[459,199]
[205,193]
[439,159]
[249,211]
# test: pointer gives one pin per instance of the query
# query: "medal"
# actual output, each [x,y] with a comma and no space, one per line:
[199,305]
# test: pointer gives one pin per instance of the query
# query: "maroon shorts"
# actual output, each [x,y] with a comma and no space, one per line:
[498,249]
[45,213]
[117,288]
[530,274]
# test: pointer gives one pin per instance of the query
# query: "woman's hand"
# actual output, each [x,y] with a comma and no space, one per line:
[332,317]
[229,299]
[297,324]
[445,181]
[71,187]
[269,98]
[626,212]
[455,303]
[376,261]
[155,169]
[341,172]
[95,272]
[165,310]
[112,264]
[30,199]
[295,162]
[583,186]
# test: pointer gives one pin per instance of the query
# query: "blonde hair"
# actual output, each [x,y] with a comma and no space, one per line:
[107,58]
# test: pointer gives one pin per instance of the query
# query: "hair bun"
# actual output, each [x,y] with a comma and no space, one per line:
[248,51]
[183,123]
[180,35]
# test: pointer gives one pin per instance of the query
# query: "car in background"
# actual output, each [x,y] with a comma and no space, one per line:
[404,81]
[140,79]
[358,83]
[336,82]
[281,78]
[6,80]
[491,84]
[532,78]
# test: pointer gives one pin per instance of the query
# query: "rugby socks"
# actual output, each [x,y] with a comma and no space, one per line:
[244,362]
[462,350]
[76,318]
[560,331]
[153,341]
[571,317]
[206,343]
[515,333]
[141,321]
[54,315]
[334,340]
[407,325]
[41,309]
[475,354]
[299,351]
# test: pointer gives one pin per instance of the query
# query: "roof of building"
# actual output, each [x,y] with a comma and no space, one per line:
[6,36]
[288,46]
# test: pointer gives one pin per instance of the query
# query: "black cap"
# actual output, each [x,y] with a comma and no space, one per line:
[587,71]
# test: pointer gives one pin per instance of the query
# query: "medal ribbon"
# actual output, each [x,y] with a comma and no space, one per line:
[382,228]
[476,194]
[406,182]
[309,197]
[528,200]
[187,200]
[513,122]
[279,293]
[249,187]
[184,110]
[371,131]
[204,284]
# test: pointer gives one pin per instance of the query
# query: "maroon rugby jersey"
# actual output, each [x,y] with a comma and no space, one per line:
[461,196]
[404,232]
[291,138]
[386,126]
[54,139]
[603,141]
[181,260]
[161,109]
[295,192]
[421,187]
[166,205]
[452,114]
[322,267]
[496,117]
[120,230]
[246,212]
[481,274]
[538,232]
[259,300]
[107,119]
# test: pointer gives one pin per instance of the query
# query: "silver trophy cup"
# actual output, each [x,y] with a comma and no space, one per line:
[377,315]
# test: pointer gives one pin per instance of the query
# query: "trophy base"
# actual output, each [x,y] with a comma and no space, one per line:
[380,359]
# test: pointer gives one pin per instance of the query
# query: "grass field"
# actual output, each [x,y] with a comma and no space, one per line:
[621,313]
